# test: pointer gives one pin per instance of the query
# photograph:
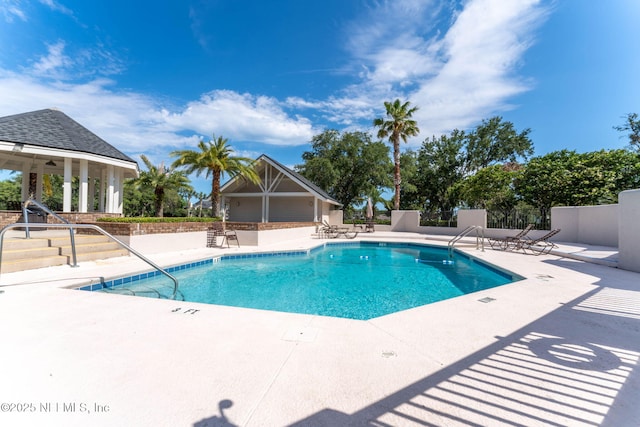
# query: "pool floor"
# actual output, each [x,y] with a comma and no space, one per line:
[355,281]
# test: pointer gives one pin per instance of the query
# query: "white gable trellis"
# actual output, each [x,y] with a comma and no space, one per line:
[282,195]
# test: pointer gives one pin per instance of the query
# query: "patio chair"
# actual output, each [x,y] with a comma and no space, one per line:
[540,245]
[218,229]
[369,226]
[333,231]
[501,243]
[325,230]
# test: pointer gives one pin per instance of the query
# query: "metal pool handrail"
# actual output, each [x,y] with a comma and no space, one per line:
[25,216]
[479,237]
[99,230]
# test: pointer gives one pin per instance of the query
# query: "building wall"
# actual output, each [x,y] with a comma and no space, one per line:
[284,209]
[281,209]
[245,209]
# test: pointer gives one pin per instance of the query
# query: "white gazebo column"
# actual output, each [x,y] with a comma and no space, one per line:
[83,193]
[110,189]
[92,194]
[26,170]
[103,190]
[66,186]
[39,178]
[118,196]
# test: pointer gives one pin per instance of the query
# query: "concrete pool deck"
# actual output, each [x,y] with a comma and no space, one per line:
[558,348]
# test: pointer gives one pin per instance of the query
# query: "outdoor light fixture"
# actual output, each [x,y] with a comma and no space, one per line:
[50,163]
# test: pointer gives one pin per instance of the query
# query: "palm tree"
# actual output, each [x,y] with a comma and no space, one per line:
[160,179]
[201,196]
[398,126]
[215,158]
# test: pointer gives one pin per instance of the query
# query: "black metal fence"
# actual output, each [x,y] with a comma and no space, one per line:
[518,219]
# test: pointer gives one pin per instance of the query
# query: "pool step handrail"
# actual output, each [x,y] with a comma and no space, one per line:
[42,207]
[479,238]
[72,227]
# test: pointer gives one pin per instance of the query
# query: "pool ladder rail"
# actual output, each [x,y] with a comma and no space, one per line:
[479,238]
[72,227]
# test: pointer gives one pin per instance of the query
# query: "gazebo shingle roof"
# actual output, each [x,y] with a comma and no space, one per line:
[54,129]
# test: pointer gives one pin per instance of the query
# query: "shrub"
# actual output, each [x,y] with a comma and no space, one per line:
[145,219]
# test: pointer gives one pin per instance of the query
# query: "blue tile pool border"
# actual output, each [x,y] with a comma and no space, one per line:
[133,278]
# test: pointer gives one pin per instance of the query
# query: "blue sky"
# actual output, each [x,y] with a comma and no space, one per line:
[155,76]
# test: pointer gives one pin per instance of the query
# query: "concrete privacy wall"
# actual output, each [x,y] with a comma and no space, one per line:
[592,225]
[629,230]
[409,221]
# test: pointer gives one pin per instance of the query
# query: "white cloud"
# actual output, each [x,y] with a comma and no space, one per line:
[54,63]
[456,71]
[242,117]
[11,10]
[57,7]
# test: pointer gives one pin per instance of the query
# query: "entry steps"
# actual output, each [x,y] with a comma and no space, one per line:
[20,254]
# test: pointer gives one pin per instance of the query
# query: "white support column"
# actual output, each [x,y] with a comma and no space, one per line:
[266,210]
[83,193]
[40,172]
[119,195]
[26,170]
[110,189]
[315,209]
[103,190]
[92,193]
[66,186]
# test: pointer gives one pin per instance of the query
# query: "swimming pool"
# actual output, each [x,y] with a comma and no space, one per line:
[357,280]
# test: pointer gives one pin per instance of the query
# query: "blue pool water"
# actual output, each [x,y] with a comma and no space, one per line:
[356,281]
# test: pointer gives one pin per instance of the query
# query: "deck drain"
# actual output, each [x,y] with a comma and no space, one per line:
[306,334]
[486,299]
[388,354]
[544,277]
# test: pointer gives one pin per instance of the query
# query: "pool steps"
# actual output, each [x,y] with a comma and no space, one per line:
[21,254]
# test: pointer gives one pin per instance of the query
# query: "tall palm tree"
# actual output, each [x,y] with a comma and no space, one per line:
[398,125]
[160,179]
[215,158]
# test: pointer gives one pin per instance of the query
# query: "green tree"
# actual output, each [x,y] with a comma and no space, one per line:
[398,125]
[491,188]
[137,201]
[410,197]
[348,166]
[161,180]
[495,141]
[566,178]
[215,158]
[440,167]
[11,192]
[632,126]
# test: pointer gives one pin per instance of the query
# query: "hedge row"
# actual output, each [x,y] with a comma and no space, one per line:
[158,219]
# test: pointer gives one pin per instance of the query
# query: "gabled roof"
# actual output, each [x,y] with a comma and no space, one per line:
[54,129]
[302,181]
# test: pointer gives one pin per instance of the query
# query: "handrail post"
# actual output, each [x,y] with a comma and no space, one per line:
[25,216]
[73,246]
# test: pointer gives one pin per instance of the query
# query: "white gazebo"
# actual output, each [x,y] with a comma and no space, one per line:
[48,142]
